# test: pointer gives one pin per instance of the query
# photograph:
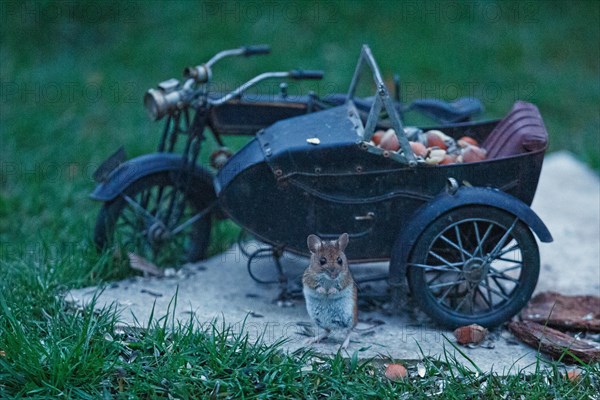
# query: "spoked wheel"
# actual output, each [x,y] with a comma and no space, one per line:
[474,265]
[157,218]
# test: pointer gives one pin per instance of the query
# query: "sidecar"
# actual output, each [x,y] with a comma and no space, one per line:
[462,234]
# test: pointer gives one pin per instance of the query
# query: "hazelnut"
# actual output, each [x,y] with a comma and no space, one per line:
[395,372]
[442,141]
[574,375]
[470,334]
[465,141]
[434,140]
[376,138]
[389,141]
[435,156]
[419,149]
[473,154]
[448,159]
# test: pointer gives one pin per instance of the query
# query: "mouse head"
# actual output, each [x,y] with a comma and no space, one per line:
[327,257]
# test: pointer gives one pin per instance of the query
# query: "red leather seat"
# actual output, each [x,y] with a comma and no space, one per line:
[521,131]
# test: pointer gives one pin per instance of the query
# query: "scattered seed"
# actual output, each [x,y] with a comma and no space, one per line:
[483,386]
[170,272]
[284,303]
[421,370]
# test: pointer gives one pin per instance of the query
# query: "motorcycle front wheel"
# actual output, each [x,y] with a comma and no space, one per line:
[156,217]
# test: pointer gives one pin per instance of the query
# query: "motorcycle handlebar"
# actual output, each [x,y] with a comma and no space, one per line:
[160,102]
[202,73]
[305,74]
[256,49]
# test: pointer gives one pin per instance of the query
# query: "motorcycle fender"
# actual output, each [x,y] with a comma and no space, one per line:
[136,168]
[464,196]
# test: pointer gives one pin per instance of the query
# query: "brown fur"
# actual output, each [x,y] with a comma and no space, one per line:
[329,289]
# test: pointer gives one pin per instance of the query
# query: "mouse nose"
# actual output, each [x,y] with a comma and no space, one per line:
[333,272]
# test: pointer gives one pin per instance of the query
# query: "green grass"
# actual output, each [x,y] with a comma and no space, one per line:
[71,80]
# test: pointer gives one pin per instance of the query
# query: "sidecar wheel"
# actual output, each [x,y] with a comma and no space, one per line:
[474,264]
[142,218]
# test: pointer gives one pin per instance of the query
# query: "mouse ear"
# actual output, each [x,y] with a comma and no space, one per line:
[314,243]
[342,241]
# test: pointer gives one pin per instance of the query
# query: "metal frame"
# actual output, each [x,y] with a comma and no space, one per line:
[382,101]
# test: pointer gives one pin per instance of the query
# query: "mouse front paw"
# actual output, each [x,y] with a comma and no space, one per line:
[321,290]
[332,290]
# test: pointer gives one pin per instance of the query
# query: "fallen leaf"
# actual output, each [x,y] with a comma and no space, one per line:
[139,263]
[395,372]
[470,334]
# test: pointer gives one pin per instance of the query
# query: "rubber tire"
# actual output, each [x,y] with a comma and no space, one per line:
[110,212]
[518,298]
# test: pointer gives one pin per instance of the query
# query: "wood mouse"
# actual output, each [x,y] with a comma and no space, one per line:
[329,289]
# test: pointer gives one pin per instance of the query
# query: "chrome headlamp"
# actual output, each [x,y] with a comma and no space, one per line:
[161,101]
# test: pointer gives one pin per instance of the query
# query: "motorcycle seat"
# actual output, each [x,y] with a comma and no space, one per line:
[459,110]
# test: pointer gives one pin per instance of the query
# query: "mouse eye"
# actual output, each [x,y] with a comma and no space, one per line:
[339,260]
[323,260]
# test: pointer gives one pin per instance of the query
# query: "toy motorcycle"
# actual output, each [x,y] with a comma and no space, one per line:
[460,233]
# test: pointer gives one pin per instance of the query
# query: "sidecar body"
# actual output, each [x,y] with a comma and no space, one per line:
[320,173]
[311,174]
